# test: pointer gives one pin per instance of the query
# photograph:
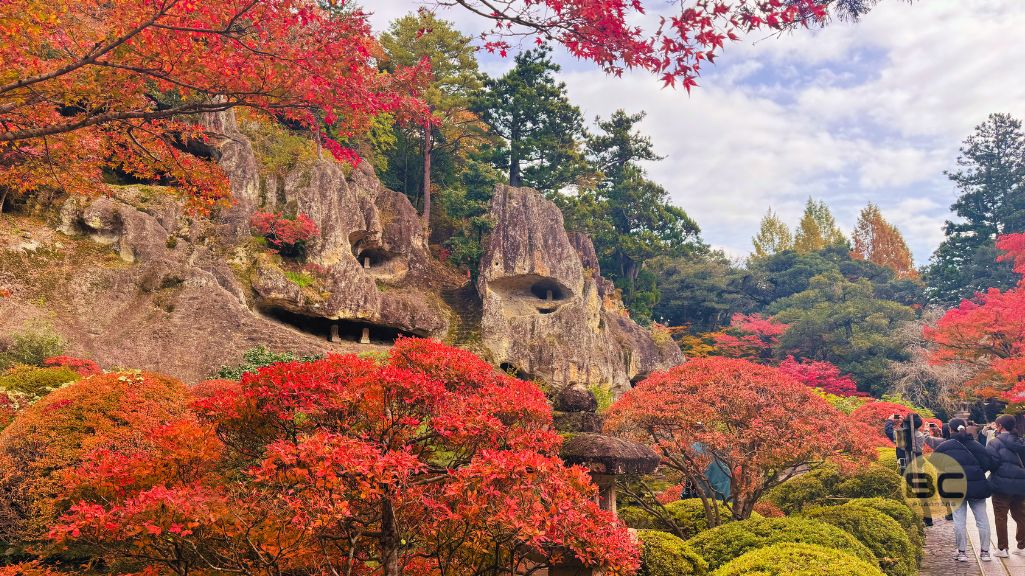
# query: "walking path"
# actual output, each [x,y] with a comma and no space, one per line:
[939,549]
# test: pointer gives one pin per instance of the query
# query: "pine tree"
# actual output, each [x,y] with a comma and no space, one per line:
[880,242]
[817,229]
[423,151]
[773,236]
[991,181]
[542,130]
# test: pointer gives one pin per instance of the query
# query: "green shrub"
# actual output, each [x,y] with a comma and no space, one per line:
[256,358]
[883,535]
[789,559]
[36,382]
[826,485]
[663,554]
[688,515]
[908,518]
[874,481]
[804,490]
[300,279]
[31,345]
[888,459]
[724,543]
[603,395]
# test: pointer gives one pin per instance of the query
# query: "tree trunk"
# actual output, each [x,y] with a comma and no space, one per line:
[428,147]
[389,541]
[3,198]
[515,178]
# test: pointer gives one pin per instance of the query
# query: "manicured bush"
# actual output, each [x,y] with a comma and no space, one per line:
[688,515]
[827,485]
[663,554]
[871,482]
[908,518]
[52,435]
[36,382]
[804,490]
[883,535]
[790,559]
[720,545]
[888,459]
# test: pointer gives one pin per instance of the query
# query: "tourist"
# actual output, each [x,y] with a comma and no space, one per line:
[1008,482]
[964,449]
[906,434]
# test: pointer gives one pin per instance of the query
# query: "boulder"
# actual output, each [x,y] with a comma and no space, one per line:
[576,399]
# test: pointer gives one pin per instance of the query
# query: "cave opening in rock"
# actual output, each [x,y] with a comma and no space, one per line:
[530,294]
[548,290]
[515,371]
[374,258]
[341,330]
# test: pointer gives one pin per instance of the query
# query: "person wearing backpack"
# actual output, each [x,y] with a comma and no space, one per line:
[964,449]
[1007,480]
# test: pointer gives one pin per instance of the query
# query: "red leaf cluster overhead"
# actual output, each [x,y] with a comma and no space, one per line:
[756,421]
[98,84]
[429,462]
[607,31]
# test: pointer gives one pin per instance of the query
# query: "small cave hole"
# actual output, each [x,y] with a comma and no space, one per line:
[372,258]
[548,290]
[340,330]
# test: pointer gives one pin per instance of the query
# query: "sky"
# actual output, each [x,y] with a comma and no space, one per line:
[852,113]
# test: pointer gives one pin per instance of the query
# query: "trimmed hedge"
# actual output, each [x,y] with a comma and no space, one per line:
[826,485]
[663,554]
[883,535]
[36,382]
[720,545]
[790,559]
[688,514]
[908,518]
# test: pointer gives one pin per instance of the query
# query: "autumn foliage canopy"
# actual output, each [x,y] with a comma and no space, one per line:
[987,333]
[756,421]
[93,85]
[429,462]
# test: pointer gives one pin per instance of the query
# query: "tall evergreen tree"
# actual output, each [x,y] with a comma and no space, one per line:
[817,229]
[440,149]
[880,242]
[773,236]
[991,182]
[542,130]
[629,217]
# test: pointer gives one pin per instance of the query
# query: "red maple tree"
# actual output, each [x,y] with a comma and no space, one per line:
[430,462]
[749,336]
[120,84]
[823,375]
[607,31]
[987,333]
[755,421]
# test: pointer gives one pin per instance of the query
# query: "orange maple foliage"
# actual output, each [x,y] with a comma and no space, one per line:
[755,421]
[987,333]
[428,463]
[121,84]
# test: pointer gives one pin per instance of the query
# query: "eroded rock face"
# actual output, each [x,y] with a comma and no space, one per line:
[371,252]
[548,313]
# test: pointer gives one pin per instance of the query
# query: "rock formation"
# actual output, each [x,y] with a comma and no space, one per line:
[132,280]
[548,313]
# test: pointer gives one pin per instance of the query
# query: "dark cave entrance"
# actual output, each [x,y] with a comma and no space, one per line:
[341,330]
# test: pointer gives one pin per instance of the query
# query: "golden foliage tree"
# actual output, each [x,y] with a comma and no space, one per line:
[817,229]
[773,236]
[880,242]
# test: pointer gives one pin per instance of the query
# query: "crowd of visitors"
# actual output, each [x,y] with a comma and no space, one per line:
[992,458]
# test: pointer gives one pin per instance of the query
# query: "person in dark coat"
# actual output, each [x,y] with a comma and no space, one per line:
[973,458]
[1007,450]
